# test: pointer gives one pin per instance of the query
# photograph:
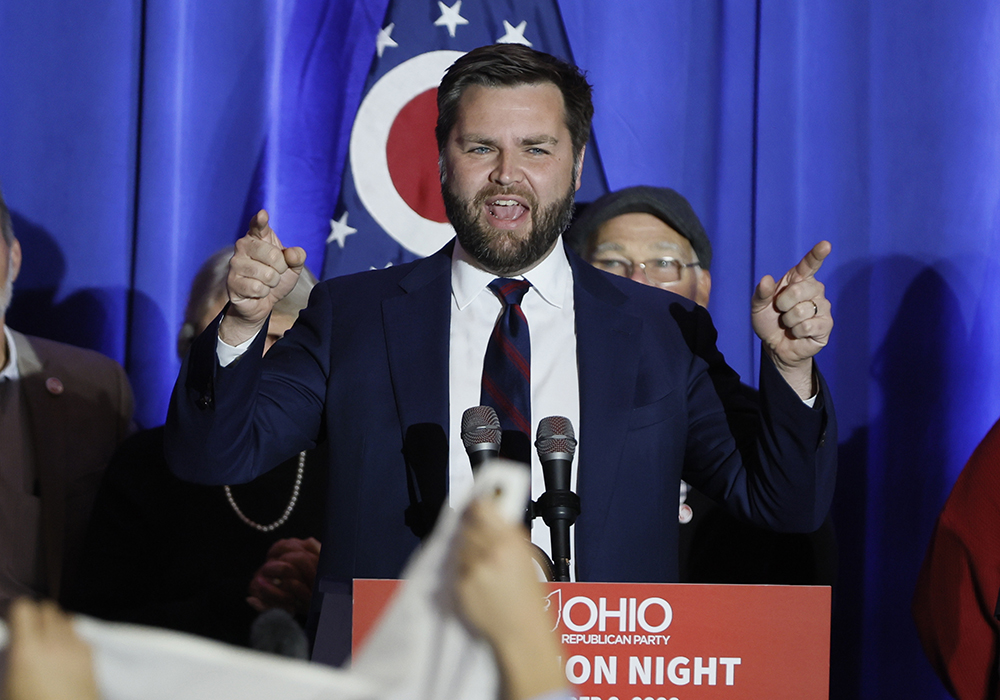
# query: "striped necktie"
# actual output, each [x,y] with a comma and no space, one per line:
[507,371]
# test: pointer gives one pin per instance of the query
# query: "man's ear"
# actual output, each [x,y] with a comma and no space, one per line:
[704,287]
[15,259]
[579,167]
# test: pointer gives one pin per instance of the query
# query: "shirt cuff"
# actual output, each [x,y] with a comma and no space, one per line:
[228,354]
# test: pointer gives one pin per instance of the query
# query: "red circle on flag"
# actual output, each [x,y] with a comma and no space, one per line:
[412,156]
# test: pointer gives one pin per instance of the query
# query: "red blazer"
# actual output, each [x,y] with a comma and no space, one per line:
[959,581]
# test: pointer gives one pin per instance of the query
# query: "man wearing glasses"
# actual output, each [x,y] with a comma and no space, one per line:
[652,236]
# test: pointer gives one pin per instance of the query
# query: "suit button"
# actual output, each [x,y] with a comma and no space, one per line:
[205,402]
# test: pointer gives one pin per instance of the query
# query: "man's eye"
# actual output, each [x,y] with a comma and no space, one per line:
[611,264]
[480,149]
[537,151]
[664,262]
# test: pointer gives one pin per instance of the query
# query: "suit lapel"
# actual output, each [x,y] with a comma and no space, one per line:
[608,356]
[51,450]
[417,326]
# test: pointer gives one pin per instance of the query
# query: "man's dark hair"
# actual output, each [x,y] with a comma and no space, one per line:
[510,65]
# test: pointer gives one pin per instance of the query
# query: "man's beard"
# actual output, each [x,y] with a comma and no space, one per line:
[504,252]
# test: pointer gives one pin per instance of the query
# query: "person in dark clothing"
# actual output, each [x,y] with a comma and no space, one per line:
[202,559]
[653,236]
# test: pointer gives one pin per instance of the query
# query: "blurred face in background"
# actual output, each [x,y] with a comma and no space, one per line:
[646,249]
[10,265]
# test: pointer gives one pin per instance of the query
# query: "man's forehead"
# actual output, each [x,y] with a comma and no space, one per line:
[640,230]
[623,245]
[534,99]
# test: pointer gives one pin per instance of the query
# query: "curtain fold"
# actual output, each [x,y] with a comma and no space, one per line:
[136,138]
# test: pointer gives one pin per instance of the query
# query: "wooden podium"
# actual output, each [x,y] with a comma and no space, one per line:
[636,641]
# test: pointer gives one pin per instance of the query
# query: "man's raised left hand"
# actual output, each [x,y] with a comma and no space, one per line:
[792,317]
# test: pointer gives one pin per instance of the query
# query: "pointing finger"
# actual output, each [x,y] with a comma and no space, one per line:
[813,260]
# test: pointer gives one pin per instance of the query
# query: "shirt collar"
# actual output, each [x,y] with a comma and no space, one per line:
[9,372]
[552,278]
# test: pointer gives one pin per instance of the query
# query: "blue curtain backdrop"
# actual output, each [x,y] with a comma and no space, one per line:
[131,134]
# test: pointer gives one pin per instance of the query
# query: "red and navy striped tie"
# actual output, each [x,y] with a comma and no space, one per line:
[507,371]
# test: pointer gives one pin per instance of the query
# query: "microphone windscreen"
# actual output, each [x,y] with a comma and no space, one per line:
[276,631]
[555,436]
[480,425]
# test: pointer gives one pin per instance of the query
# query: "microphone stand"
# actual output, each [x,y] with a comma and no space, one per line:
[558,506]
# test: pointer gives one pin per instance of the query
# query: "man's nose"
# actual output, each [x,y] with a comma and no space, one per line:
[506,171]
[639,275]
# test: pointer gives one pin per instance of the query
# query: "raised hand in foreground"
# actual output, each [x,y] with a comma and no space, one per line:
[793,319]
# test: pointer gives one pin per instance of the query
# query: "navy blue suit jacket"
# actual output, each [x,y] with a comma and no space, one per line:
[366,369]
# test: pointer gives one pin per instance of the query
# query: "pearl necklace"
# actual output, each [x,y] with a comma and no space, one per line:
[288,511]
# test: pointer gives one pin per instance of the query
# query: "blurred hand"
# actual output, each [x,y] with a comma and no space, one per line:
[500,596]
[46,660]
[286,578]
[793,319]
[261,273]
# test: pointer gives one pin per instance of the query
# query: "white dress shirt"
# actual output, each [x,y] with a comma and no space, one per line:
[555,386]
[9,371]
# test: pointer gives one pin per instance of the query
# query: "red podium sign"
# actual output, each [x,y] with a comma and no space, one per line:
[635,641]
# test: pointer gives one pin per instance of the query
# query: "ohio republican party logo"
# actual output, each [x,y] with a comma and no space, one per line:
[394,156]
[650,615]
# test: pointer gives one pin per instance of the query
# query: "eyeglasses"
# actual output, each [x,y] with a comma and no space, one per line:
[657,271]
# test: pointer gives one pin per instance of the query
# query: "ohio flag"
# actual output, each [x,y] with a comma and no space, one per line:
[390,208]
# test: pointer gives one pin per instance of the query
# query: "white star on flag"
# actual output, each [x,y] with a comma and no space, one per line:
[450,17]
[514,35]
[339,230]
[383,39]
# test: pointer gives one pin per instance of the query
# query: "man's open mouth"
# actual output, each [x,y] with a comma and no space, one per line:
[506,209]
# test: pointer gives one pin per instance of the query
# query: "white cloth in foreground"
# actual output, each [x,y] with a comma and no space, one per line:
[420,649]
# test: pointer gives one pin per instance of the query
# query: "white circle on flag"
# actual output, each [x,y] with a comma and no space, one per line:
[369,161]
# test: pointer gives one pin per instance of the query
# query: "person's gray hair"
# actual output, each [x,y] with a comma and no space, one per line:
[209,292]
[5,223]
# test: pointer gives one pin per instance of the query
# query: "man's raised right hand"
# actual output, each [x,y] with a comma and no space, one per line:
[261,273]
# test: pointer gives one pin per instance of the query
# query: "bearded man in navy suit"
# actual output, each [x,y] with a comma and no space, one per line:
[382,364]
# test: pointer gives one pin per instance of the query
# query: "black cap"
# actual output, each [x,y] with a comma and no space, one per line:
[662,202]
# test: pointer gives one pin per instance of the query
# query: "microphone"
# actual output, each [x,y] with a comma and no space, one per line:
[481,434]
[559,506]
[276,631]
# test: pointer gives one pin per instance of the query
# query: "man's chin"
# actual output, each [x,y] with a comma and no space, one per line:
[504,242]
[509,249]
